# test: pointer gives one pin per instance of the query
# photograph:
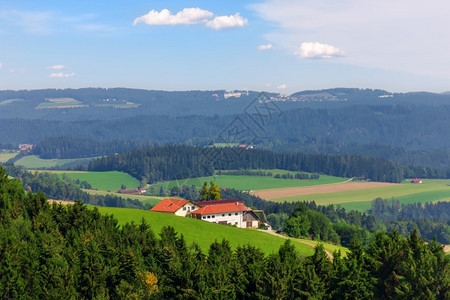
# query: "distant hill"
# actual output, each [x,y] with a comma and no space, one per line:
[113,103]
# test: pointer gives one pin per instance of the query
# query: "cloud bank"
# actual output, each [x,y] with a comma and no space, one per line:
[189,16]
[403,35]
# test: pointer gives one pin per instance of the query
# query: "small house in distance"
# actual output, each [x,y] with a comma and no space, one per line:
[133,192]
[416,180]
[227,213]
[175,206]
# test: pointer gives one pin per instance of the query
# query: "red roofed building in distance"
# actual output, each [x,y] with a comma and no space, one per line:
[416,180]
[234,213]
[175,206]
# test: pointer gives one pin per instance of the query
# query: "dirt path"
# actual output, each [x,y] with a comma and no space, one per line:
[303,242]
[319,189]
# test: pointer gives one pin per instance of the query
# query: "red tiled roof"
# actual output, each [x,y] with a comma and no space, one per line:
[221,208]
[215,202]
[169,205]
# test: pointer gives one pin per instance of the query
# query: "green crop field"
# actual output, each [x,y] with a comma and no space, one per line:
[59,102]
[33,162]
[105,181]
[5,156]
[243,183]
[205,233]
[152,200]
[429,191]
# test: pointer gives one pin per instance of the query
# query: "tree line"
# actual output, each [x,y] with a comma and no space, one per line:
[75,252]
[176,162]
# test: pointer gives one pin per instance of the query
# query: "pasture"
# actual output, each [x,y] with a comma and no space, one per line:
[204,233]
[65,102]
[6,155]
[429,191]
[244,183]
[34,162]
[105,181]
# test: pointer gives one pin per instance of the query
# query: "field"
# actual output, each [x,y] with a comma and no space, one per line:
[5,156]
[105,181]
[326,188]
[60,103]
[8,101]
[195,231]
[152,200]
[243,183]
[34,162]
[429,191]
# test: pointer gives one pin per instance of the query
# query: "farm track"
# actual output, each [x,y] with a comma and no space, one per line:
[330,256]
[319,189]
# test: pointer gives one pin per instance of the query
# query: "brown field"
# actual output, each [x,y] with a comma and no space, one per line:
[326,188]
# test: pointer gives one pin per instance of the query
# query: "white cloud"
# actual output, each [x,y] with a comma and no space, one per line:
[265,47]
[190,16]
[165,17]
[56,67]
[401,35]
[282,86]
[318,50]
[61,75]
[1,65]
[226,22]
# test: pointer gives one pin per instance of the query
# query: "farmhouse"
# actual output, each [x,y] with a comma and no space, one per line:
[227,213]
[175,206]
[416,180]
[133,192]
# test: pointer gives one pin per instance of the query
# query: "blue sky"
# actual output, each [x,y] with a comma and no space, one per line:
[273,45]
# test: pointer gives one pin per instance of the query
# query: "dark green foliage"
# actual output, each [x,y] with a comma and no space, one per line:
[74,252]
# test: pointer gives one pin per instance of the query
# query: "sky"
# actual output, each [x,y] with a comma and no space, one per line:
[272,45]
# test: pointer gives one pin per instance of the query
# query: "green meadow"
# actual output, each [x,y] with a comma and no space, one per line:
[105,181]
[204,233]
[5,156]
[244,183]
[429,191]
[34,162]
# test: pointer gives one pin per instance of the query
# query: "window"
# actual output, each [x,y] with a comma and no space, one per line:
[213,216]
[236,214]
[184,208]
[229,214]
[236,223]
[204,217]
[193,207]
[209,217]
[223,215]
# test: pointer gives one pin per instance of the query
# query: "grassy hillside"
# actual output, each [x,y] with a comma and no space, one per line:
[204,233]
[33,161]
[254,182]
[429,191]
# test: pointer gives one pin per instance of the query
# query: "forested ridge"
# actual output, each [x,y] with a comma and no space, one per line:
[406,134]
[74,252]
[179,162]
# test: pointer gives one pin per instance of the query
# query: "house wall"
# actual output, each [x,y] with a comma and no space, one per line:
[186,209]
[234,218]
